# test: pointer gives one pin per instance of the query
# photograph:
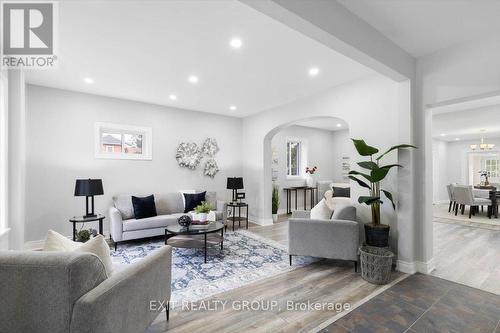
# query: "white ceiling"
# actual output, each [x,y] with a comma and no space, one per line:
[467,125]
[145,51]
[329,124]
[425,26]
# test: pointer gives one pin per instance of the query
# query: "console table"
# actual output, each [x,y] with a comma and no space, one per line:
[295,189]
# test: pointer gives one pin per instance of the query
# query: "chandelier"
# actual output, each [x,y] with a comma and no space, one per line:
[482,145]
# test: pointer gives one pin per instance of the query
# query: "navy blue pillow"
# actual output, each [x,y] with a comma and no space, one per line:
[191,200]
[144,207]
[342,192]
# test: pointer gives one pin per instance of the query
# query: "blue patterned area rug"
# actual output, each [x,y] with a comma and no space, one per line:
[246,258]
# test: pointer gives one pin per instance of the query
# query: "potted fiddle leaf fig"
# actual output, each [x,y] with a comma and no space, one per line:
[377,234]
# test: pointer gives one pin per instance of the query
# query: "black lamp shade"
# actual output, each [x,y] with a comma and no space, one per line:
[88,187]
[234,183]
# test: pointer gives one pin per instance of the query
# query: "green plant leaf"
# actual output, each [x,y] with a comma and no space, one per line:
[380,173]
[403,146]
[363,149]
[360,182]
[389,196]
[368,165]
[369,200]
[367,177]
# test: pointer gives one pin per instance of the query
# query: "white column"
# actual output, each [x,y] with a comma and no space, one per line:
[16,158]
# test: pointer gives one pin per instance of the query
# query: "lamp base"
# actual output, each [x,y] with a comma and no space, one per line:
[90,215]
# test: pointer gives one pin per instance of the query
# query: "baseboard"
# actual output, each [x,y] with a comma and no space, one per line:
[260,221]
[442,202]
[415,266]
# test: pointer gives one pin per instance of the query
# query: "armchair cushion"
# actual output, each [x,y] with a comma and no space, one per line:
[344,213]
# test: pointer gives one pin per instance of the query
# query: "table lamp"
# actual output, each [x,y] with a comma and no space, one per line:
[88,188]
[235,184]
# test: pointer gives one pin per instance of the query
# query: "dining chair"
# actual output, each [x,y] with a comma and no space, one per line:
[451,196]
[465,197]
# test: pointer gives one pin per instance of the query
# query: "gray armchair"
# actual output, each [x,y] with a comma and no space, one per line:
[69,292]
[335,238]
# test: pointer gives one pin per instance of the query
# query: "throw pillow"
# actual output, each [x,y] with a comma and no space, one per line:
[144,207]
[192,200]
[329,200]
[344,192]
[96,245]
[321,211]
[57,242]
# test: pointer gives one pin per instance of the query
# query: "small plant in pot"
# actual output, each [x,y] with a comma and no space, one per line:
[201,211]
[275,202]
[377,234]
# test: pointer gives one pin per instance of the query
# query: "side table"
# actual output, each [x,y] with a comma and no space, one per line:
[239,205]
[85,219]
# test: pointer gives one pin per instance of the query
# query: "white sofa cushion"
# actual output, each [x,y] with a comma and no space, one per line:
[321,211]
[124,204]
[149,222]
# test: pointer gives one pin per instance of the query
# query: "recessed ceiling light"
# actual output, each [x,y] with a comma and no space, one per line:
[233,108]
[457,139]
[193,79]
[339,125]
[442,134]
[173,97]
[236,43]
[88,80]
[313,71]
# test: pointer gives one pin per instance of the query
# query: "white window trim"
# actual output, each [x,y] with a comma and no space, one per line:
[302,157]
[3,154]
[147,141]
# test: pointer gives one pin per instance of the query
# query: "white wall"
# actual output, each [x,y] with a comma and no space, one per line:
[60,149]
[369,106]
[461,71]
[440,170]
[324,149]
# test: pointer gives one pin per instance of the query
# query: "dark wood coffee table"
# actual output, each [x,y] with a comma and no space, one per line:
[182,237]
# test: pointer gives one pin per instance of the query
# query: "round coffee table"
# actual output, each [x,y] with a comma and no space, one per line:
[186,237]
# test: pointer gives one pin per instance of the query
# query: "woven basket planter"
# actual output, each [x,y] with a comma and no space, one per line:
[376,264]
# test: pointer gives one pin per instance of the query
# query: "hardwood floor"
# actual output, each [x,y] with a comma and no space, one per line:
[324,282]
[467,255]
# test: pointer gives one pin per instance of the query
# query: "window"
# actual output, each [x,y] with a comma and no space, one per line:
[492,168]
[293,149]
[123,141]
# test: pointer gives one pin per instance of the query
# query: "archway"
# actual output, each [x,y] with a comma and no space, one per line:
[315,134]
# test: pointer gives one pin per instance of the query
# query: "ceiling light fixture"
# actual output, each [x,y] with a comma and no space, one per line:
[482,145]
[173,97]
[236,43]
[313,71]
[339,125]
[193,79]
[443,135]
[88,80]
[457,139]
[233,108]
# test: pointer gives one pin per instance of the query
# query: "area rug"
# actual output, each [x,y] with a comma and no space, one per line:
[246,258]
[481,220]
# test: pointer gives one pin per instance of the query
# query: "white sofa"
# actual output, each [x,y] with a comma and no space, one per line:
[169,207]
